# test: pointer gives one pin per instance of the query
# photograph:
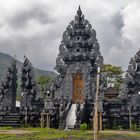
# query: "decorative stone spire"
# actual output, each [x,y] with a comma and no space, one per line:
[29,88]
[8,89]
[79,14]
[132,79]
[79,43]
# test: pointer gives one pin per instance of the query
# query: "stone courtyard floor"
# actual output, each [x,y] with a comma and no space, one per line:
[53,134]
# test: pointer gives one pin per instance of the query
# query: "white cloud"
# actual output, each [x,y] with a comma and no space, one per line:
[131,29]
[129,39]
[35,28]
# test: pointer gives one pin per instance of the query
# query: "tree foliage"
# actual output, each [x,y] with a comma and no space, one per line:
[113,75]
[43,81]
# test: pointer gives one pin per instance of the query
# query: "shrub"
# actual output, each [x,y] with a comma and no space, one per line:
[134,127]
[117,128]
[83,126]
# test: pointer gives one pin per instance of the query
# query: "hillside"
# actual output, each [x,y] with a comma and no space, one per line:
[5,60]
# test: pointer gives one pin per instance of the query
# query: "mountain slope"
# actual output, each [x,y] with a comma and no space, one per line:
[5,60]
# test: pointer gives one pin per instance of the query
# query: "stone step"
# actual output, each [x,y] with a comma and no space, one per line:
[70,127]
[9,124]
[10,121]
[12,116]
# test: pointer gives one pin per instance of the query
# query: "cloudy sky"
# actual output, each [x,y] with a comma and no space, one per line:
[35,27]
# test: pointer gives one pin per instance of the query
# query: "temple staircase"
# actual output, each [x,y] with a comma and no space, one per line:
[138,119]
[71,118]
[10,120]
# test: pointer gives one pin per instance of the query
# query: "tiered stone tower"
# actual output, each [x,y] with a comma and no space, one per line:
[77,62]
[78,59]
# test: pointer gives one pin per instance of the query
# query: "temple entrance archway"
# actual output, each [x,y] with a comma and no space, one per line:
[78,86]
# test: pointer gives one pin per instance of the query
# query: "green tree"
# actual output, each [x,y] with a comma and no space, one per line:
[113,75]
[43,81]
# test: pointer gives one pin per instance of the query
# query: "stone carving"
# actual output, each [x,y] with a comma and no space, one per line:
[29,89]
[62,50]
[8,89]
[129,99]
[133,75]
[62,121]
[79,115]
[132,79]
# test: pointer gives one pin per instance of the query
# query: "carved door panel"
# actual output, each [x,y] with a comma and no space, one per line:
[78,88]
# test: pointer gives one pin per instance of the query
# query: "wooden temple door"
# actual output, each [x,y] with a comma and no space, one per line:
[78,85]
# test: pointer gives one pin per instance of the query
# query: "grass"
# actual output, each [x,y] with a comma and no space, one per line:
[6,128]
[121,135]
[7,133]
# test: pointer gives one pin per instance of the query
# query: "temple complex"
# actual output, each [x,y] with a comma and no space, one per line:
[70,99]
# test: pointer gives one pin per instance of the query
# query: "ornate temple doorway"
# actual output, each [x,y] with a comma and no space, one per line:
[78,85]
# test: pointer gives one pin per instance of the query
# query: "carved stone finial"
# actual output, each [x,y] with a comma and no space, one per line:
[79,12]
